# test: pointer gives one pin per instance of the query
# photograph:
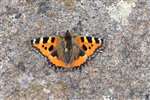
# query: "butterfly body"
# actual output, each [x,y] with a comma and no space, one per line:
[68,50]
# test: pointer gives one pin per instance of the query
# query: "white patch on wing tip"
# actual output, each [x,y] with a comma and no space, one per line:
[41,40]
[34,41]
[100,41]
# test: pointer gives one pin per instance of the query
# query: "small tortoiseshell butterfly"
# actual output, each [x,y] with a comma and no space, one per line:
[68,50]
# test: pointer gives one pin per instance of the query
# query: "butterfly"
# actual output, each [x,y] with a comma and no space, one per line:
[67,50]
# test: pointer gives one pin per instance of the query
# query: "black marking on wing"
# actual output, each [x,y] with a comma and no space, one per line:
[84,47]
[51,48]
[89,39]
[96,40]
[45,48]
[102,41]
[45,39]
[54,54]
[37,40]
[31,42]
[53,39]
[82,39]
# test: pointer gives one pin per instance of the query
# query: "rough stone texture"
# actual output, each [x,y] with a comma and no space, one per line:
[121,72]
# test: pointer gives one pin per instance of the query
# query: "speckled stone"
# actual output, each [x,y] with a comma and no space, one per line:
[120,72]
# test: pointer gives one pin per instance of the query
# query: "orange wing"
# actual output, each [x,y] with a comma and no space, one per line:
[47,47]
[87,44]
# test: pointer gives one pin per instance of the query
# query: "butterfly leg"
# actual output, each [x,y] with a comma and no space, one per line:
[74,68]
[56,69]
[59,69]
[49,63]
[79,68]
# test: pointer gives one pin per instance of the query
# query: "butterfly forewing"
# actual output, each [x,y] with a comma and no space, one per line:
[88,44]
[47,46]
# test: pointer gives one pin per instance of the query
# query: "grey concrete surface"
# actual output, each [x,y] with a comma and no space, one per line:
[121,72]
